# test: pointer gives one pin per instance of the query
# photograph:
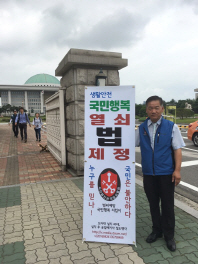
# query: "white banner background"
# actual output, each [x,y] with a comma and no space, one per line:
[109,221]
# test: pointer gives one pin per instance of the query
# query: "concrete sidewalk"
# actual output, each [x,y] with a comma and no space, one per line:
[22,162]
[41,217]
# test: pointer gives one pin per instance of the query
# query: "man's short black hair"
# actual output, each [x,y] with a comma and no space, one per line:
[154,98]
[21,108]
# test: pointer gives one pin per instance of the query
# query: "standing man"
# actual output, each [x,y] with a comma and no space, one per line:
[160,142]
[14,126]
[22,119]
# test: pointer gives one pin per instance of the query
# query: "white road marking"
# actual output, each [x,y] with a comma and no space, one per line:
[189,163]
[185,137]
[137,164]
[190,149]
[184,163]
[194,188]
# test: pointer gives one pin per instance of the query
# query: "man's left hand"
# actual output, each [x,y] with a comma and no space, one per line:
[30,125]
[176,176]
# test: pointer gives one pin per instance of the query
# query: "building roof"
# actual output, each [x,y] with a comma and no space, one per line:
[43,79]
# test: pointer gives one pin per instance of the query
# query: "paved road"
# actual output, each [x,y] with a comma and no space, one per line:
[189,169]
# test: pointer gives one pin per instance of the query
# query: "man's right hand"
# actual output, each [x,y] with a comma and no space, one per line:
[15,124]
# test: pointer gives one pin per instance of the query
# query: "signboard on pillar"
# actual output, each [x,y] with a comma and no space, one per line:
[109,166]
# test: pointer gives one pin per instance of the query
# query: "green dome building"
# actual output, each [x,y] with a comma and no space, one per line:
[32,94]
[43,79]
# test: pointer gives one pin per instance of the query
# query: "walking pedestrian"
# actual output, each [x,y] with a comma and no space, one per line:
[37,123]
[160,142]
[14,126]
[22,119]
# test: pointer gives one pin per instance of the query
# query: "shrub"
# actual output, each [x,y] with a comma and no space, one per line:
[5,119]
[142,119]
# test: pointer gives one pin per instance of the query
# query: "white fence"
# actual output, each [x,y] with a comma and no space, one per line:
[56,126]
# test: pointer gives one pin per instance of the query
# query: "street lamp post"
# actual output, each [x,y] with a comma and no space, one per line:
[101,78]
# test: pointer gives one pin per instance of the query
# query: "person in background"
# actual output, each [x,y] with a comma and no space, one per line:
[160,142]
[22,119]
[37,123]
[14,126]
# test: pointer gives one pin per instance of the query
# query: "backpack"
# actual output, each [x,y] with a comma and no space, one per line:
[19,117]
[39,119]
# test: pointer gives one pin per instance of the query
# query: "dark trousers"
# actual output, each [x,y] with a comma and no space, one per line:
[23,127]
[161,188]
[15,129]
[38,133]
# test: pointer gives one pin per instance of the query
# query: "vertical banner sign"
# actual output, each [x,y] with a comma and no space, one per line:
[109,167]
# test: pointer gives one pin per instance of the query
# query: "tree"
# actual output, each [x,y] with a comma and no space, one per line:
[164,104]
[188,113]
[142,111]
[137,108]
[182,112]
[172,102]
[6,108]
[195,106]
[181,104]
[190,101]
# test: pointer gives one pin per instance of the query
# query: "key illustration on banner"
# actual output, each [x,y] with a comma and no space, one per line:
[109,184]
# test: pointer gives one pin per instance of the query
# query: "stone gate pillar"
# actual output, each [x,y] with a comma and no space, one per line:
[79,69]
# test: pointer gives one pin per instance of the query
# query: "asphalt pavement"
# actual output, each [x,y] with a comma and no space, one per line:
[189,171]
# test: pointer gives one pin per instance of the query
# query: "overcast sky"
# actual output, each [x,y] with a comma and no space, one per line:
[158,37]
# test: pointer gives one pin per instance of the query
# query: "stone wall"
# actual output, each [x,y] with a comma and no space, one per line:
[79,69]
[75,81]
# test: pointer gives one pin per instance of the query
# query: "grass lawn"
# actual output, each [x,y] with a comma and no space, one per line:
[186,121]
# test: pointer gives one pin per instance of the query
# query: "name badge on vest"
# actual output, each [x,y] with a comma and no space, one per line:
[145,134]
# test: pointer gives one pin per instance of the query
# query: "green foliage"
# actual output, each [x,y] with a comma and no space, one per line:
[164,104]
[142,119]
[9,108]
[188,113]
[193,102]
[5,119]
[171,111]
[142,111]
[181,104]
[195,106]
[182,112]
[137,108]
[171,102]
